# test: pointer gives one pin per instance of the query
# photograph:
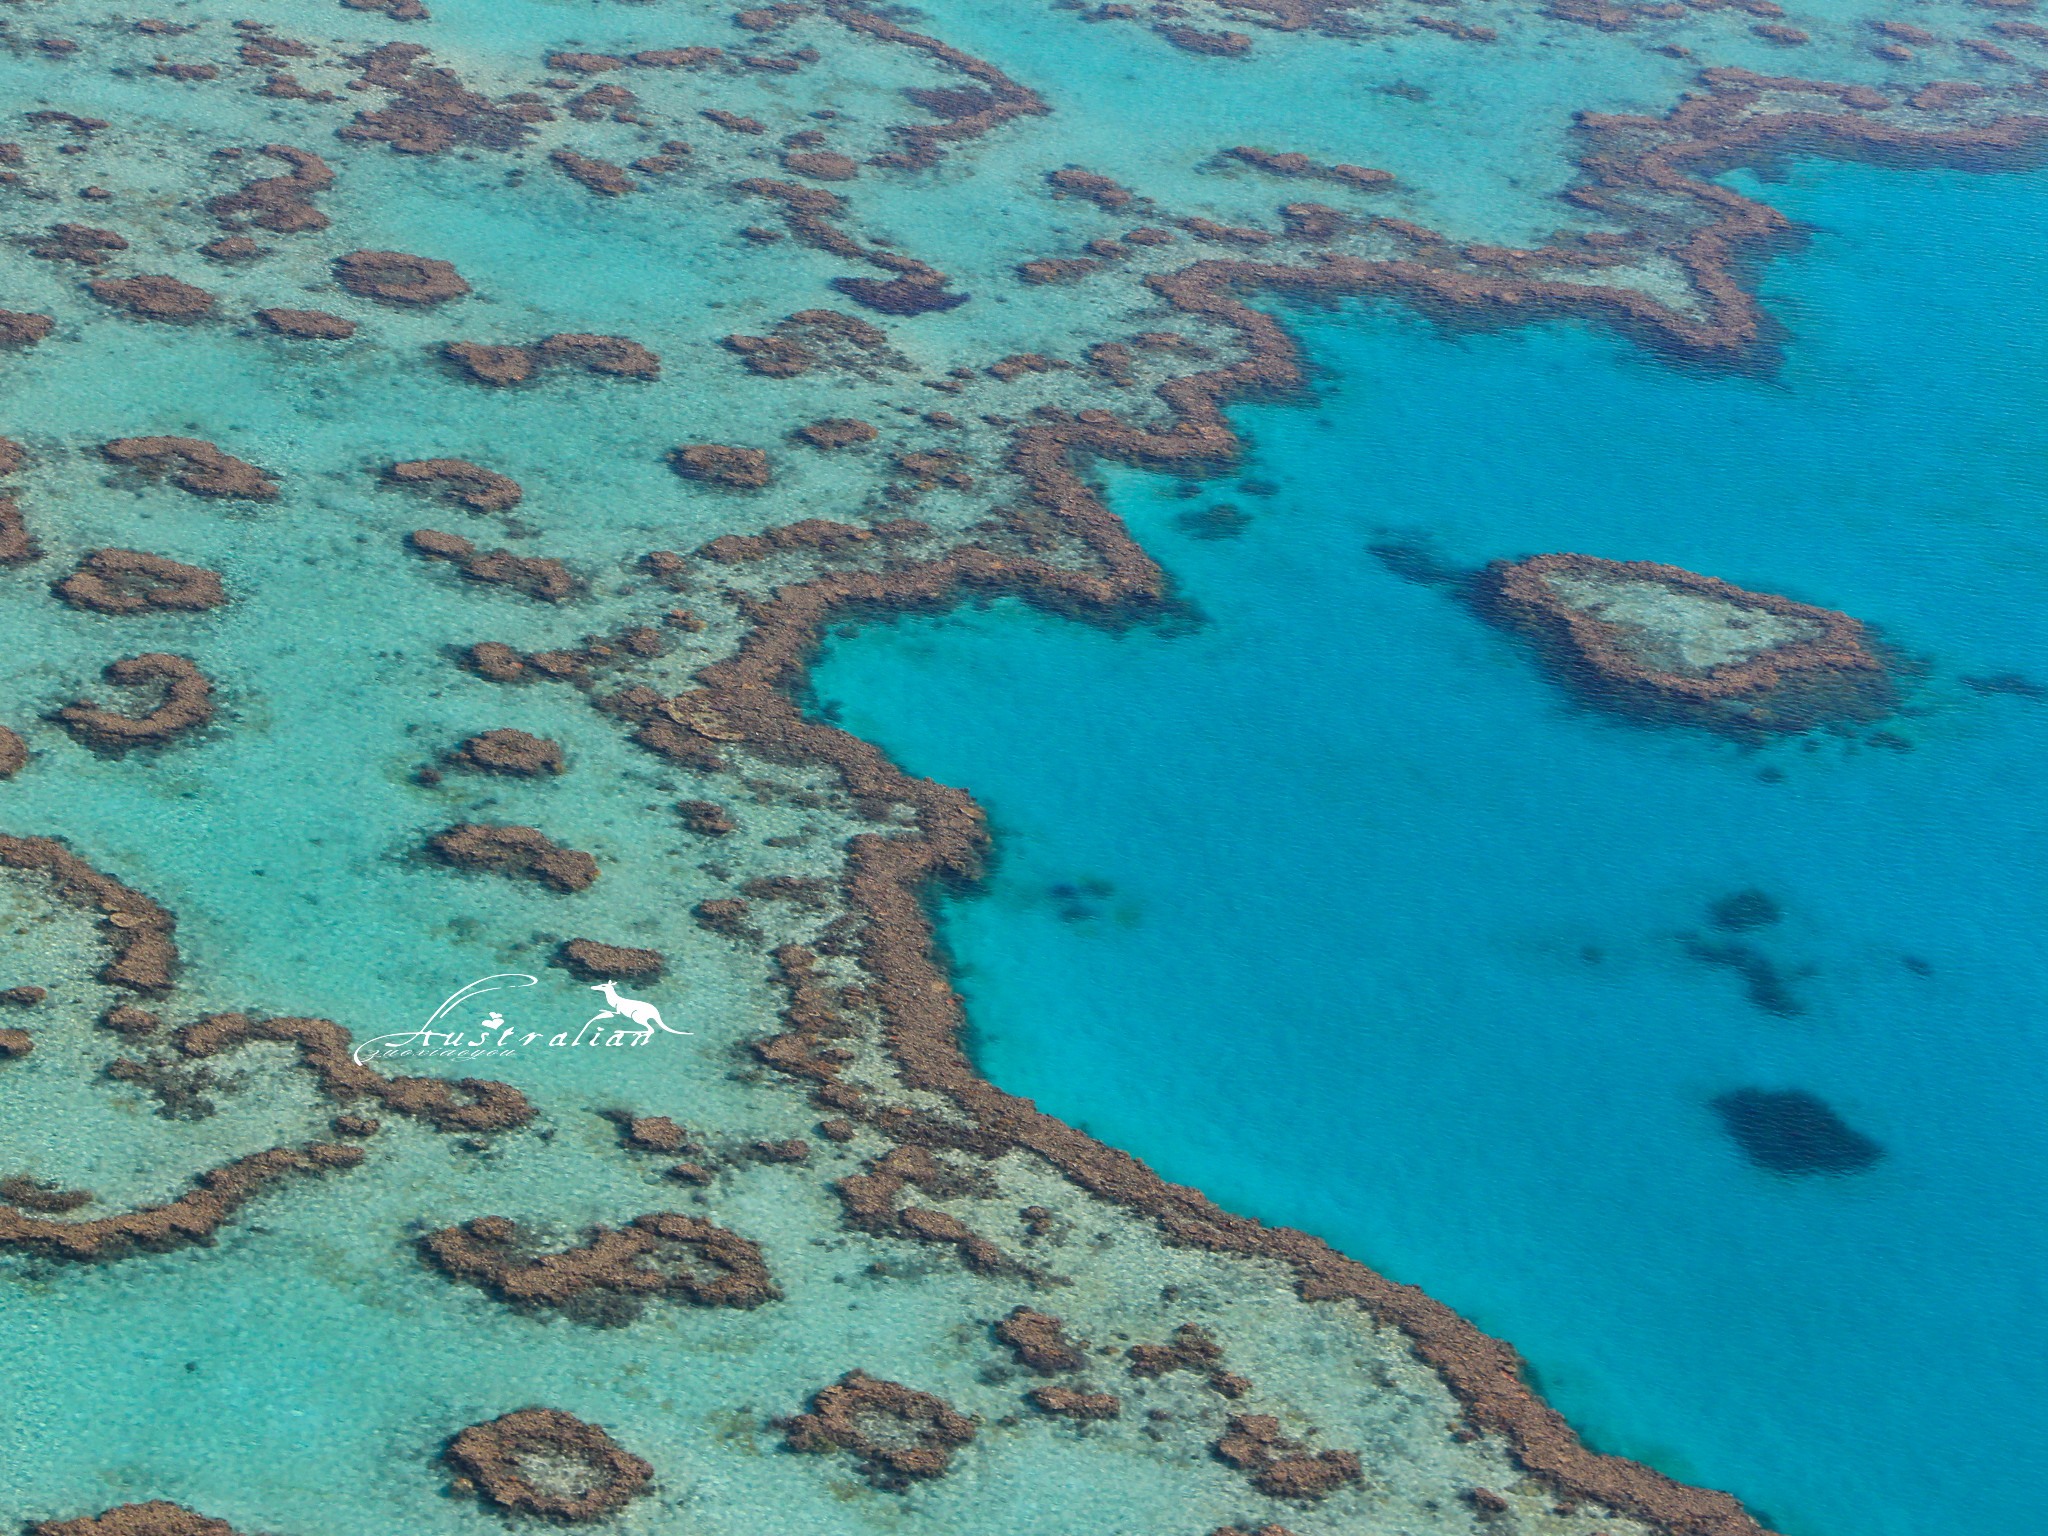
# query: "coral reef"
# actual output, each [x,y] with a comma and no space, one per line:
[129,581]
[136,928]
[159,1517]
[311,324]
[282,204]
[1662,640]
[470,485]
[850,1416]
[23,330]
[509,751]
[397,278]
[516,851]
[535,575]
[201,468]
[595,961]
[13,753]
[1068,1403]
[1253,1444]
[187,704]
[721,464]
[1040,1342]
[542,1461]
[659,1255]
[153,296]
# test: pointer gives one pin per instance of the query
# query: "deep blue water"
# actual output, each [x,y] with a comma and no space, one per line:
[1337,908]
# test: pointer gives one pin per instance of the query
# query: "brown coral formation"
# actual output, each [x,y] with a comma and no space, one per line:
[17,545]
[898,1433]
[616,356]
[542,1461]
[159,1517]
[1070,1403]
[611,962]
[510,752]
[282,204]
[1666,641]
[326,1049]
[13,753]
[1039,1342]
[309,324]
[136,928]
[22,330]
[153,296]
[77,242]
[536,575]
[721,464]
[1292,164]
[187,704]
[466,484]
[129,581]
[837,432]
[191,1218]
[431,110]
[1253,1444]
[515,851]
[195,465]
[660,1255]
[705,819]
[600,176]
[396,278]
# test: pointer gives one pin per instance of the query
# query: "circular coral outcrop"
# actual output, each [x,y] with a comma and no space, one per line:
[542,1461]
[129,581]
[897,1432]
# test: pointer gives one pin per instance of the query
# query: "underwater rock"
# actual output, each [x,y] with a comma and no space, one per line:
[13,456]
[611,962]
[45,1199]
[510,751]
[13,753]
[470,485]
[846,1416]
[201,469]
[542,1461]
[721,464]
[312,324]
[129,581]
[1659,641]
[662,1255]
[397,278]
[153,296]
[515,851]
[187,705]
[15,1043]
[233,248]
[431,110]
[1099,190]
[1792,1131]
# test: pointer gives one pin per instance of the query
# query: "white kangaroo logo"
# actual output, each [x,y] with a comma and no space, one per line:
[646,1015]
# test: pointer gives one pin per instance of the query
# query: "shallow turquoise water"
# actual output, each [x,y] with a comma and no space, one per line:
[1336,908]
